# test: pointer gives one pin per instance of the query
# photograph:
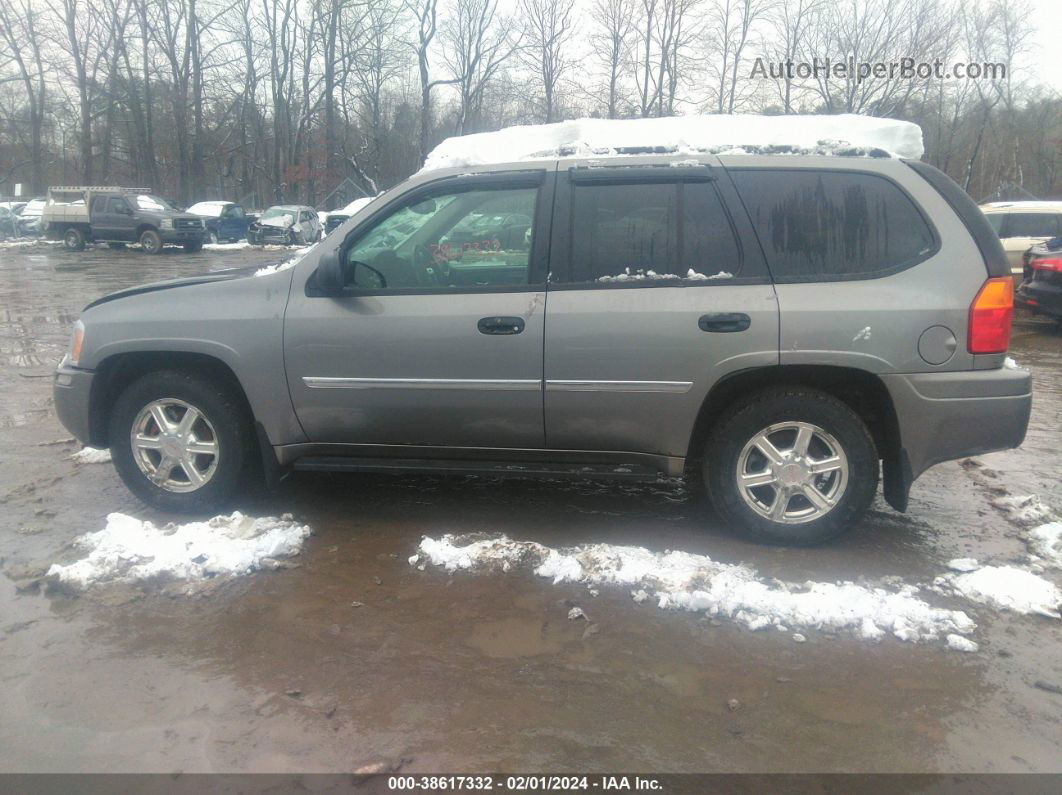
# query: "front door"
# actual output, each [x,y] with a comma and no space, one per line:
[438,337]
[657,292]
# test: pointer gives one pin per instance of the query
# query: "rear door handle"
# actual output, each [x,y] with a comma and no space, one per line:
[500,325]
[724,322]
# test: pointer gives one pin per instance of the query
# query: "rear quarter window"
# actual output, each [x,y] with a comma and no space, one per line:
[833,225]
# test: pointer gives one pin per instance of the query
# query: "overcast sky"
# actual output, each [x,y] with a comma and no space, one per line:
[1045,65]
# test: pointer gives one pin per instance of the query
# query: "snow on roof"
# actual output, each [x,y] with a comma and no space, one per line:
[845,134]
[356,205]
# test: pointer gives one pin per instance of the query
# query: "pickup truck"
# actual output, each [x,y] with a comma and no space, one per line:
[117,216]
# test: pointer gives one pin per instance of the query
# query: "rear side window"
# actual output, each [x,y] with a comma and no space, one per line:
[645,232]
[833,225]
[1030,225]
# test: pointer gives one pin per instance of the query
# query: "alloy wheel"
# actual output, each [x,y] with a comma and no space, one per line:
[174,445]
[792,472]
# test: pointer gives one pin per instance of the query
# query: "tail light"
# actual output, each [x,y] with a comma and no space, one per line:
[990,316]
[1047,264]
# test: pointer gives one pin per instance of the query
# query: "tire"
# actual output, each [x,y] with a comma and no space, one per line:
[151,241]
[116,246]
[838,440]
[222,421]
[74,239]
[192,248]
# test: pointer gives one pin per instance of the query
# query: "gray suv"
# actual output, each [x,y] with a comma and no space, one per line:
[780,328]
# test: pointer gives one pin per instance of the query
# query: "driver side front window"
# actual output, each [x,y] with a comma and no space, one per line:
[473,238]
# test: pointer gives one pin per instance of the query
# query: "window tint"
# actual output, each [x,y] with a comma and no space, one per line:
[631,232]
[1031,225]
[831,224]
[475,238]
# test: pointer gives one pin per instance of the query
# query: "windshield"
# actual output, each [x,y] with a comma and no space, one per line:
[208,209]
[146,202]
[279,214]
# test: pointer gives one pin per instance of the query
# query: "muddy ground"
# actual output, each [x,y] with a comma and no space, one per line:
[279,671]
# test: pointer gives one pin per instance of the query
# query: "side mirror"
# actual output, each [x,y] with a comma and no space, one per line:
[330,274]
[367,276]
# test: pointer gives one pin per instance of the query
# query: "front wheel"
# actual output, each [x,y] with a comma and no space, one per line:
[791,466]
[180,442]
[151,241]
[74,240]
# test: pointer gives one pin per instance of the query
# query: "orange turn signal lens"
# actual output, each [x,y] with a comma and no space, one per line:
[990,317]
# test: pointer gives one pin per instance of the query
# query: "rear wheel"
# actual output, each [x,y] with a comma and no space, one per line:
[74,239]
[151,241]
[179,441]
[791,466]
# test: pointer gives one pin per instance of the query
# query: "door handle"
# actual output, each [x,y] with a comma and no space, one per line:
[500,325]
[724,322]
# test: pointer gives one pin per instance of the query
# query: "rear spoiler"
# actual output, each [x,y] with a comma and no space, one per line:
[970,214]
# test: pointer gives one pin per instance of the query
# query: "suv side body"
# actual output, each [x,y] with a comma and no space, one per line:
[527,361]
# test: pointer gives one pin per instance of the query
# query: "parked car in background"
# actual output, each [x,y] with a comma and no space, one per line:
[286,224]
[720,317]
[8,222]
[226,222]
[336,218]
[1041,289]
[117,216]
[29,218]
[1021,225]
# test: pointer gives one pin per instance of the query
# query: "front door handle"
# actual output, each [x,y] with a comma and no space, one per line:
[500,325]
[724,322]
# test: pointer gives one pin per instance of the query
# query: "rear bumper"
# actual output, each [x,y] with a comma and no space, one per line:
[1042,296]
[72,390]
[944,416]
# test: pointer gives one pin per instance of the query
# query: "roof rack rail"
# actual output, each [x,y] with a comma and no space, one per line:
[111,188]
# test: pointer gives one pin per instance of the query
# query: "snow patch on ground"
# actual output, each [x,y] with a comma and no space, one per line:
[241,244]
[1007,588]
[863,334]
[683,581]
[1046,541]
[963,564]
[23,242]
[91,455]
[129,550]
[843,134]
[1024,509]
[1011,364]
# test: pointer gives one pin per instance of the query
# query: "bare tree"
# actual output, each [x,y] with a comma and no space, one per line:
[477,43]
[729,28]
[611,43]
[548,30]
[19,32]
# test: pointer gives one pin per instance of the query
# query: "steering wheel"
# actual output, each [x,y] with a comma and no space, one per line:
[428,272]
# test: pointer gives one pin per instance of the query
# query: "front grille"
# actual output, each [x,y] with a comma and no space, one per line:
[187,223]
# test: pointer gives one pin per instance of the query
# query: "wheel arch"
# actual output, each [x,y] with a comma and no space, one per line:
[119,370]
[862,391]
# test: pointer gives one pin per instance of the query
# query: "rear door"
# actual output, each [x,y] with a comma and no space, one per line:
[658,289]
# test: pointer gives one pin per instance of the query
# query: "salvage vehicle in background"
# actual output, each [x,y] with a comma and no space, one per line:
[226,222]
[1041,289]
[286,224]
[336,218]
[8,222]
[118,216]
[714,316]
[1021,225]
[29,218]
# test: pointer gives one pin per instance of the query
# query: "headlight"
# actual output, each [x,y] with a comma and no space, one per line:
[76,340]
[167,223]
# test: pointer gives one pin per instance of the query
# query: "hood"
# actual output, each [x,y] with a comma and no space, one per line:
[281,221]
[169,284]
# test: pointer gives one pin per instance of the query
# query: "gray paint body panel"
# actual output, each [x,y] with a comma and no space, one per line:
[614,373]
